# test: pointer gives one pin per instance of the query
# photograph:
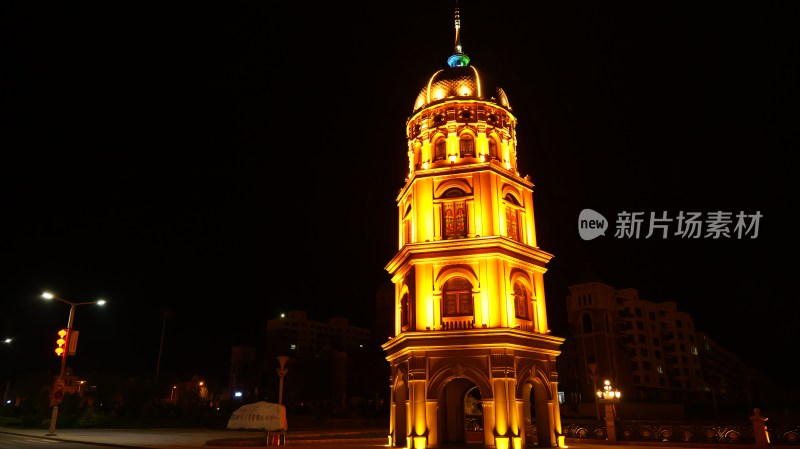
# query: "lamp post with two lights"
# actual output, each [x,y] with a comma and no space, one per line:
[63,352]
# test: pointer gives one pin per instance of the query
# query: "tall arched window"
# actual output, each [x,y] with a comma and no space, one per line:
[520,301]
[405,311]
[512,226]
[407,226]
[513,219]
[466,146]
[454,215]
[492,149]
[457,297]
[440,150]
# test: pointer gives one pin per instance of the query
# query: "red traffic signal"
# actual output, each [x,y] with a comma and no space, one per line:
[62,340]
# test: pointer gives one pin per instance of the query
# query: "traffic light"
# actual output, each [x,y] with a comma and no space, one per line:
[62,335]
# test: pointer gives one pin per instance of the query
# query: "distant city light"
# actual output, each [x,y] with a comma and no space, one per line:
[283,315]
[238,394]
[7,340]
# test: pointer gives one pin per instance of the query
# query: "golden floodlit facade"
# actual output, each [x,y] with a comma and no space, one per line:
[472,358]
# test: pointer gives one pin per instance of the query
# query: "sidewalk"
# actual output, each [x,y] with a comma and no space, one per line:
[229,439]
[203,438]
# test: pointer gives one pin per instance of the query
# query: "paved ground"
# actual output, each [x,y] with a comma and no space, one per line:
[223,439]
[204,438]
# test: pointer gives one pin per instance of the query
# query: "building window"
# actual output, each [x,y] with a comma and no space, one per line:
[511,224]
[440,150]
[492,149]
[405,311]
[513,219]
[520,301]
[466,146]
[455,219]
[660,368]
[587,323]
[457,294]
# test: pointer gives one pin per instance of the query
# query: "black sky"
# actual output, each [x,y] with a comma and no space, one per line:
[146,150]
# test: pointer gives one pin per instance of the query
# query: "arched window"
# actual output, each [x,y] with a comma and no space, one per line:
[440,150]
[513,217]
[512,225]
[520,301]
[407,226]
[454,219]
[466,146]
[492,149]
[457,298]
[405,312]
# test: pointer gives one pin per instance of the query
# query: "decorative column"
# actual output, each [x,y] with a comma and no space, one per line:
[506,430]
[417,405]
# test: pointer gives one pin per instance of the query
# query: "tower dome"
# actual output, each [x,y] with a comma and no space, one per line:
[460,80]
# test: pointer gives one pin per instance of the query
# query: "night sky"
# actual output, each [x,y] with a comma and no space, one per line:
[227,162]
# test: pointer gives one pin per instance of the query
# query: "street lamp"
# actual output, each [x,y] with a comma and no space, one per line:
[282,359]
[72,305]
[608,393]
[610,396]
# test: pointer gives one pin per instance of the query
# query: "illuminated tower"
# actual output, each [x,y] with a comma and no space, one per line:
[472,358]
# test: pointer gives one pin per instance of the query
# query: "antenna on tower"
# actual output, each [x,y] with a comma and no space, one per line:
[459,58]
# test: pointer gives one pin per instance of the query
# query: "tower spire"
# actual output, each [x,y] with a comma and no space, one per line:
[459,58]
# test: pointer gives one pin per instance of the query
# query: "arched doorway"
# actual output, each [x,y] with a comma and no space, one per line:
[529,414]
[536,414]
[400,414]
[460,413]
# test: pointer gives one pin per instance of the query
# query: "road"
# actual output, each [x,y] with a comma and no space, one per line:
[9,441]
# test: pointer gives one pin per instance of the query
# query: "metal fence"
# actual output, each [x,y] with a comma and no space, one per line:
[655,432]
